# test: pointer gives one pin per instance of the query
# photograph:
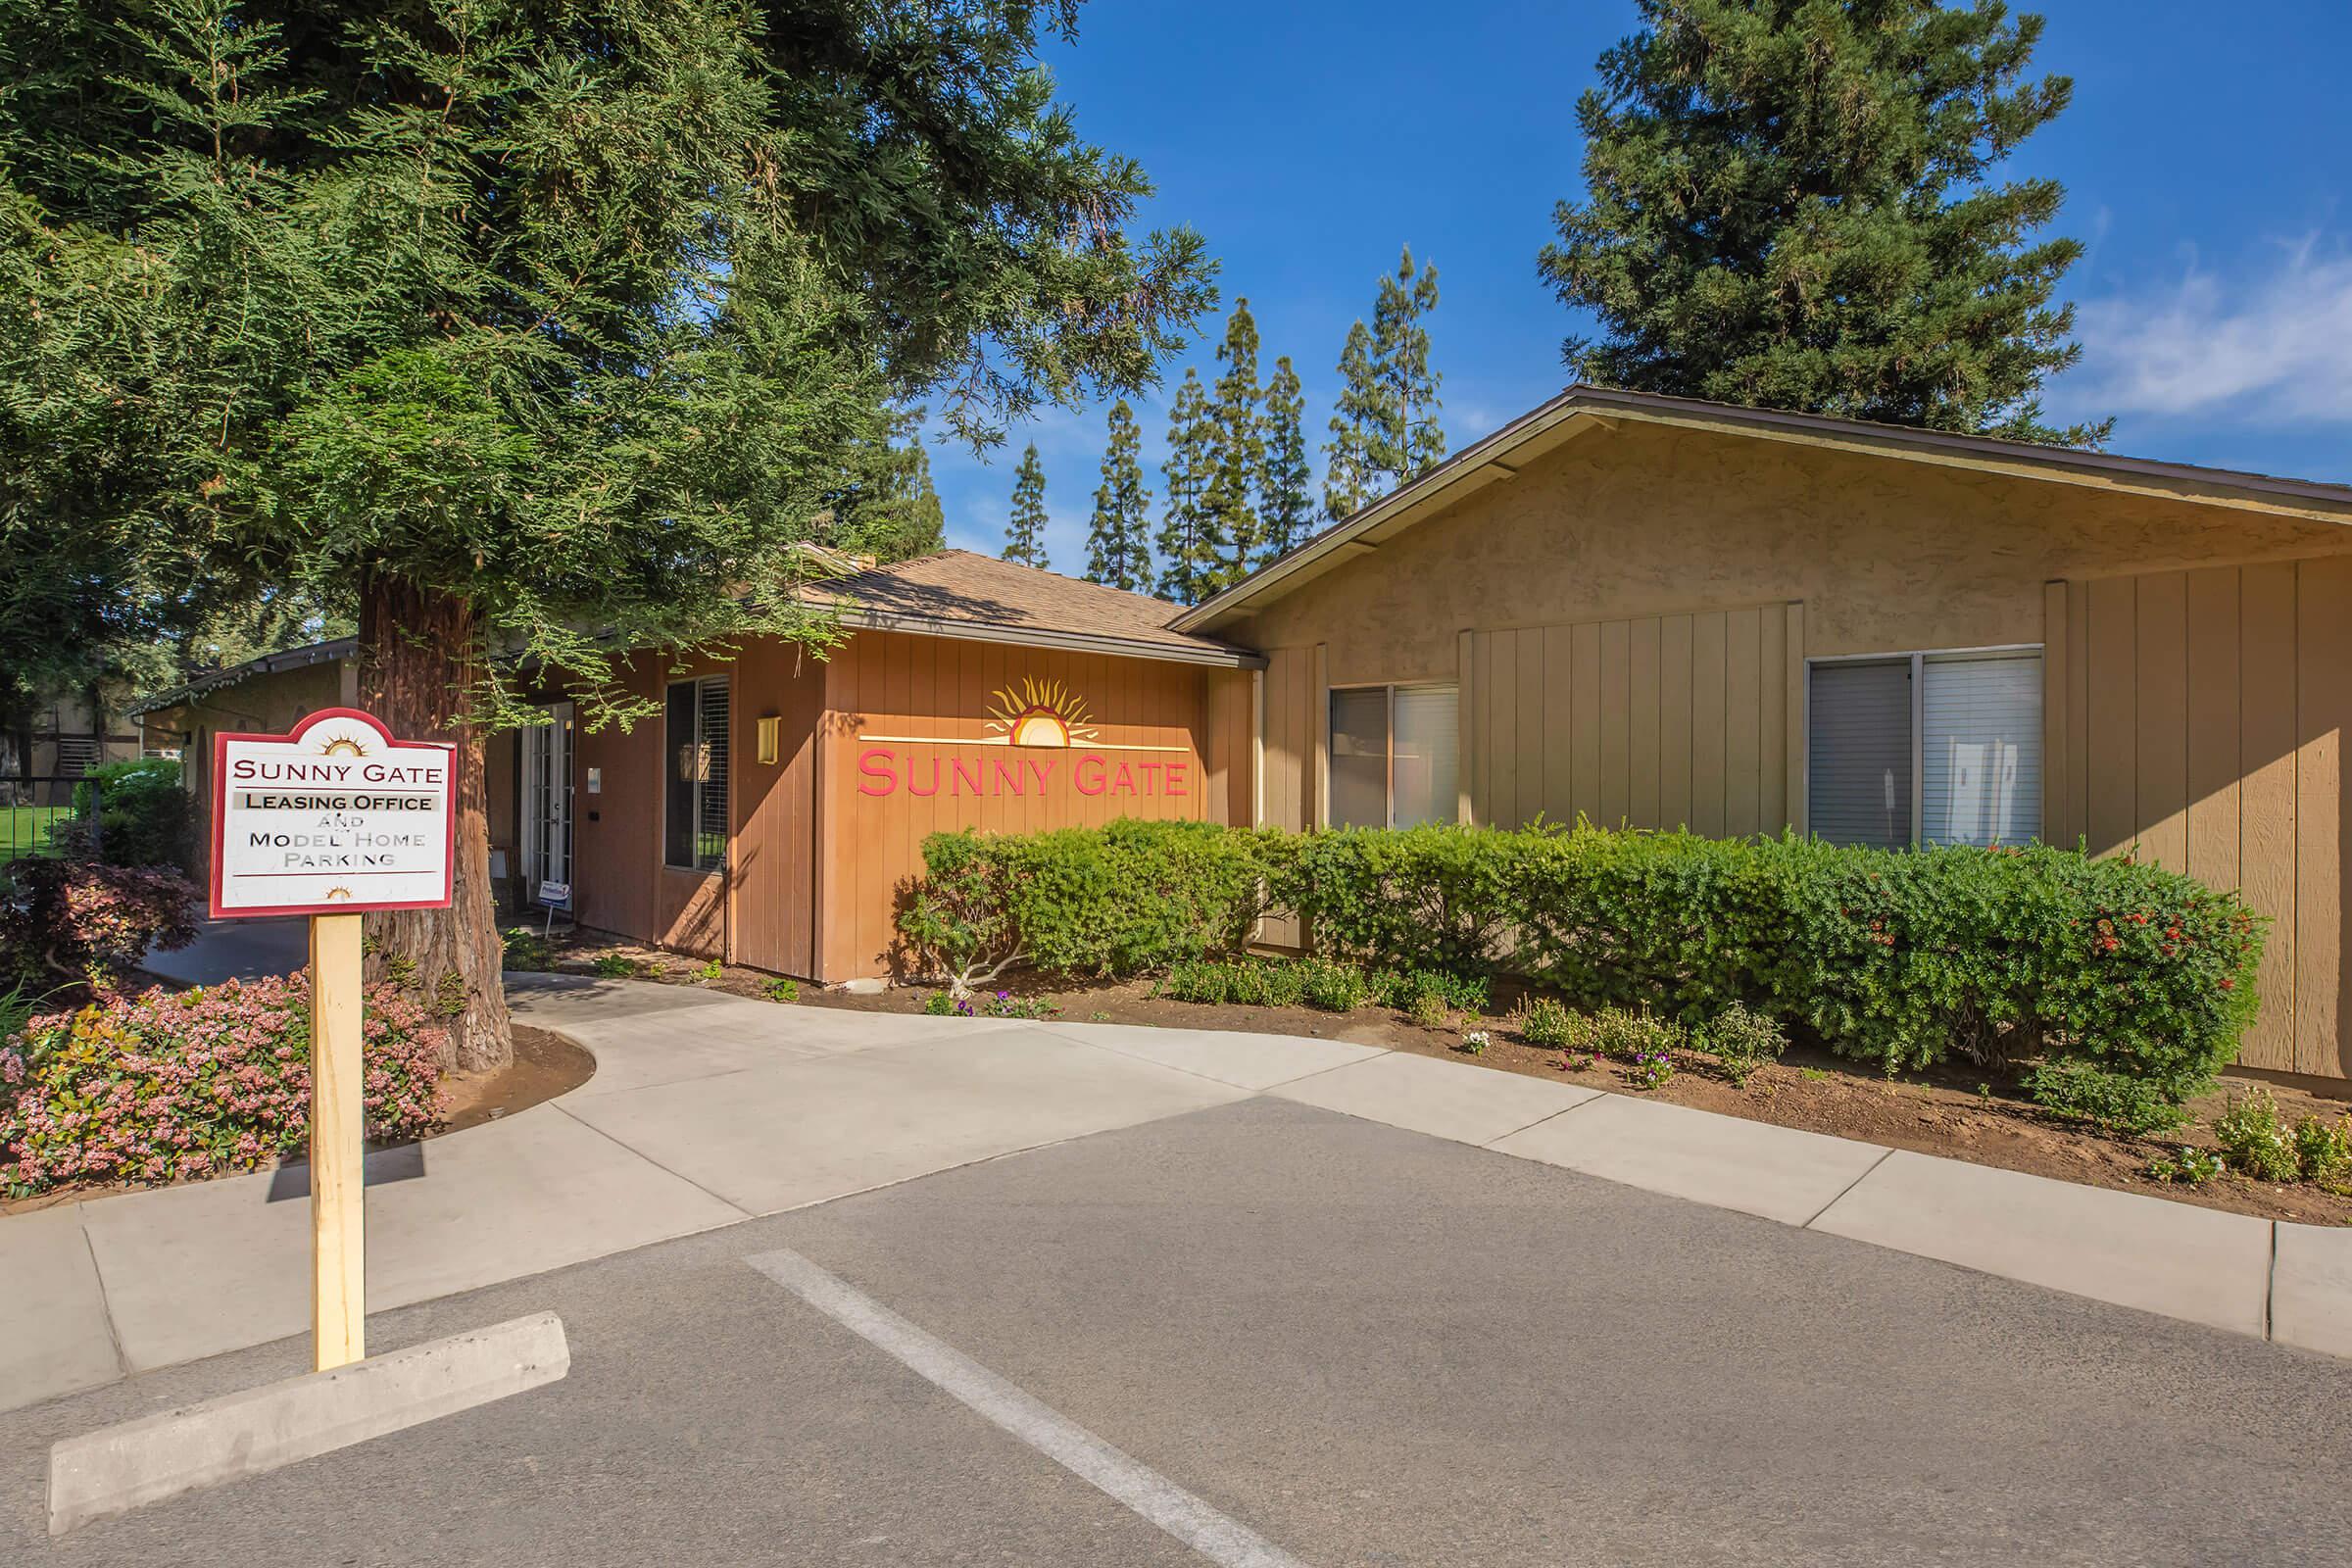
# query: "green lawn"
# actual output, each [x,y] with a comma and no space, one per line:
[25,829]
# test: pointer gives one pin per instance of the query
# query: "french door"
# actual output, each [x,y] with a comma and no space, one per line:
[546,800]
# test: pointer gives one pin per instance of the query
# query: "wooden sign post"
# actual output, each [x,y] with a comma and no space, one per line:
[330,821]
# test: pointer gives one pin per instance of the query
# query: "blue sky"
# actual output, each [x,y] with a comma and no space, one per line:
[2205,164]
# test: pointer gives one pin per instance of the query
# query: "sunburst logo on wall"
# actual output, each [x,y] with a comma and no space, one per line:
[1040,713]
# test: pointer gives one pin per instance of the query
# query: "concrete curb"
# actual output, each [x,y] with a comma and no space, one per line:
[123,1467]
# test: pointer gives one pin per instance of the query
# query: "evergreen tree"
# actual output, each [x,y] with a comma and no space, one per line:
[892,512]
[1025,532]
[538,330]
[1237,469]
[1794,206]
[1187,553]
[1284,503]
[1409,438]
[1118,542]
[1350,479]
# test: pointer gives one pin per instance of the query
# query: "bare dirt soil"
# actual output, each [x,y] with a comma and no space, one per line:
[1956,1112]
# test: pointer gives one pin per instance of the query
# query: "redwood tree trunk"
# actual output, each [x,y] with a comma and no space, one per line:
[417,648]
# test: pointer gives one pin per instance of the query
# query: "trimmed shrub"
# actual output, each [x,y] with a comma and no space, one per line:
[1544,1021]
[174,1085]
[143,814]
[1335,987]
[1741,1041]
[1403,988]
[1629,1036]
[2324,1150]
[1428,1009]
[1120,900]
[2004,957]
[2110,1100]
[2253,1139]
[77,921]
[1419,897]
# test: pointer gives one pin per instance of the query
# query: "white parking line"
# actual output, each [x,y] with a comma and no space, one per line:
[1212,1535]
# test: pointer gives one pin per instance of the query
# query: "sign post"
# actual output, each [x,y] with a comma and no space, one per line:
[333,820]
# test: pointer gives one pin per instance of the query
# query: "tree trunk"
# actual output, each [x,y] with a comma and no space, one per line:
[417,648]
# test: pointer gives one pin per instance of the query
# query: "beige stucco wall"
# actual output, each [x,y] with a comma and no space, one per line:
[1886,555]
[1629,622]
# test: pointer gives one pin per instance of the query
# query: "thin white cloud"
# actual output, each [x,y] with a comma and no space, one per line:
[2274,348]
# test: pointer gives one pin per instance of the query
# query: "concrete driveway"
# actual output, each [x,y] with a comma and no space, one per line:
[1291,1336]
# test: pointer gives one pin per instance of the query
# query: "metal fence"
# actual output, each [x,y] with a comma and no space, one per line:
[46,814]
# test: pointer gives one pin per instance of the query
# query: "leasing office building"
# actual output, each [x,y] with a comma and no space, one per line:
[1631,608]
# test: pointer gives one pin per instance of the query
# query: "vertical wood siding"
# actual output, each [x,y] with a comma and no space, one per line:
[1648,721]
[888,684]
[2201,716]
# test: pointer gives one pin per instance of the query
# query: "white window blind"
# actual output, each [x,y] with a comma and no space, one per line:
[1858,753]
[1981,749]
[1427,756]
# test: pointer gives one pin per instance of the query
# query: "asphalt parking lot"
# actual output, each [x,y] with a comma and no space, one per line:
[1289,1336]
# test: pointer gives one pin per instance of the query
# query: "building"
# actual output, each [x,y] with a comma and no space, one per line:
[1659,612]
[1630,608]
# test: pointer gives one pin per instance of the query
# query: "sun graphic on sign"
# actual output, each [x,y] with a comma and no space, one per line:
[344,745]
[1040,713]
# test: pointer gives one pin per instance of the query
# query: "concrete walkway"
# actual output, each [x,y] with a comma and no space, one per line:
[707,1110]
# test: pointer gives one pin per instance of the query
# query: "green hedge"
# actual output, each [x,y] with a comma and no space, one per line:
[1119,900]
[143,814]
[1904,958]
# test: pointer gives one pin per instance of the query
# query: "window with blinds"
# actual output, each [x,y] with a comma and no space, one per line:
[1979,758]
[1394,758]
[695,801]
[1427,756]
[1858,753]
[1926,749]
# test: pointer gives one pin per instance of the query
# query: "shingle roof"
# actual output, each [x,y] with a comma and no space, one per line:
[959,592]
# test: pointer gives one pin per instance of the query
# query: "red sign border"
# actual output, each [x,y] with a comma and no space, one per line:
[219,823]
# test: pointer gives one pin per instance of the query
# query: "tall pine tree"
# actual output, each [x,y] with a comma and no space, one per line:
[1350,480]
[1284,503]
[1411,438]
[1237,469]
[1118,542]
[1025,532]
[1793,203]
[892,512]
[1384,429]
[1187,546]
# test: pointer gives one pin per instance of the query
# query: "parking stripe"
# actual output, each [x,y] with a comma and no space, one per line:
[1214,1536]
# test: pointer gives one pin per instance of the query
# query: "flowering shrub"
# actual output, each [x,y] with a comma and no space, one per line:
[66,919]
[169,1086]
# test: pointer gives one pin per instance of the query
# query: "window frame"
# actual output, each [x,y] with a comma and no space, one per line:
[1389,688]
[694,865]
[1918,659]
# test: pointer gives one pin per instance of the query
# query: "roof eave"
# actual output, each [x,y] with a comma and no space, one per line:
[1201,653]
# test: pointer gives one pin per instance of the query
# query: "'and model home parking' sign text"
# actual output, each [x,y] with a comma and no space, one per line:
[334,818]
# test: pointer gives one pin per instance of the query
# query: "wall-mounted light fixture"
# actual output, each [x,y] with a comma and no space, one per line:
[767,739]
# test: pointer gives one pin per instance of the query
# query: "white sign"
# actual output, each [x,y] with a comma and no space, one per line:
[556,894]
[334,818]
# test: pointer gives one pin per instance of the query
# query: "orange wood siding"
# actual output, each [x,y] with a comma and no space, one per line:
[926,701]
[1652,720]
[2200,716]
[773,919]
